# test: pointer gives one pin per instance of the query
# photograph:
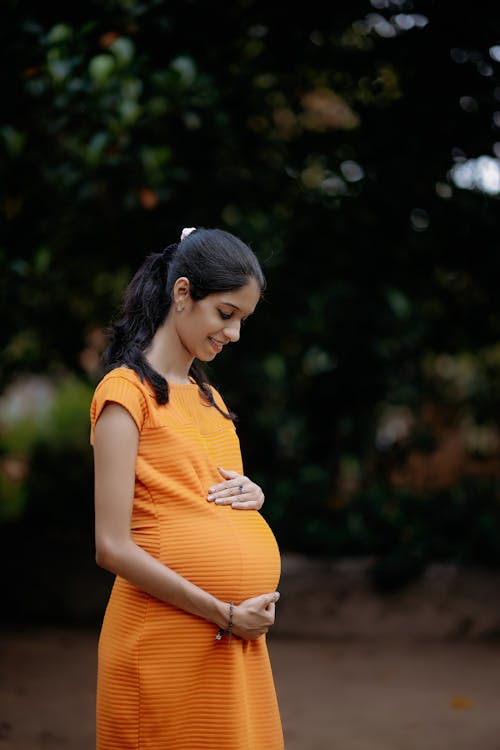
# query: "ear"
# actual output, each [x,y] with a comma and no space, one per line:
[180,292]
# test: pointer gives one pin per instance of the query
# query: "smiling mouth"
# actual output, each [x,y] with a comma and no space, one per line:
[216,344]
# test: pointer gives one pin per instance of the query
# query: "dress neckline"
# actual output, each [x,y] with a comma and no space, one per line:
[181,386]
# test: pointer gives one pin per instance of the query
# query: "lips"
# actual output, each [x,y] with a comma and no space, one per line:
[216,344]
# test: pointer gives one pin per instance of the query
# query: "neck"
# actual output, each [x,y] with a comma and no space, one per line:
[168,356]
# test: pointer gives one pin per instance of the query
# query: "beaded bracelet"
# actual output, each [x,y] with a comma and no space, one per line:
[230,624]
[229,632]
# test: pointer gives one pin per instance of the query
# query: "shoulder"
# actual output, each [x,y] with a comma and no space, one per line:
[122,386]
[121,374]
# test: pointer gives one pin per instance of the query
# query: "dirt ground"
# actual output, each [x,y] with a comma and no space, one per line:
[334,695]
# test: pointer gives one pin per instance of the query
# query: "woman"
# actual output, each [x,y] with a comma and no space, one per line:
[183,662]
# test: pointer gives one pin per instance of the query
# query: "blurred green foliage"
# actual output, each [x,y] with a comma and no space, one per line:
[47,469]
[326,137]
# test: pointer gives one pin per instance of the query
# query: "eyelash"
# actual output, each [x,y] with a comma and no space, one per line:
[228,316]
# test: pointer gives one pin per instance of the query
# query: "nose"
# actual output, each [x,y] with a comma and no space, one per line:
[232,331]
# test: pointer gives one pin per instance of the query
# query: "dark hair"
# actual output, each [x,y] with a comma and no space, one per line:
[214,261]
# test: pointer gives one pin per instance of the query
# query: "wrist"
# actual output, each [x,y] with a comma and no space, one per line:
[230,621]
[221,616]
[227,629]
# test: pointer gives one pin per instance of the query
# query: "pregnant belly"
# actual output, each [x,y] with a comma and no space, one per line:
[232,554]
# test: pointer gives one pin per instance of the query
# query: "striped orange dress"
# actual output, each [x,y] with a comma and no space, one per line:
[164,681]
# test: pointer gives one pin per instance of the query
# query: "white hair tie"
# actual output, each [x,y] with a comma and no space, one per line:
[186,231]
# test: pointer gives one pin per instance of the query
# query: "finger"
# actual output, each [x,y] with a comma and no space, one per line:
[227,474]
[273,598]
[230,483]
[230,493]
[223,494]
[245,505]
[218,487]
[231,490]
[224,501]
[249,505]
[267,600]
[246,500]
[270,612]
[244,493]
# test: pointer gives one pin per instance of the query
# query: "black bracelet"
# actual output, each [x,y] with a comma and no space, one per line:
[229,632]
[230,625]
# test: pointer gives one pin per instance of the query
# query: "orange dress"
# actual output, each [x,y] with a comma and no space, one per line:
[164,681]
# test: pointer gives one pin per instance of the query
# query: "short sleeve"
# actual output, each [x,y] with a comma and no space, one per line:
[119,389]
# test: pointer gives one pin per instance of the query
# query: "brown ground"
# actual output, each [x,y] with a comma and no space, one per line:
[334,695]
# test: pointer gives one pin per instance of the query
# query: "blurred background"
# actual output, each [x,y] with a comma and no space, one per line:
[356,147]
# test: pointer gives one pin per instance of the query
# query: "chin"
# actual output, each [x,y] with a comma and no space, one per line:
[206,357]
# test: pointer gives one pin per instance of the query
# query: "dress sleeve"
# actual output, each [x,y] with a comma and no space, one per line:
[118,390]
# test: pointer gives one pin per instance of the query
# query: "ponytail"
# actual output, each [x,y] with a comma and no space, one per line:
[145,306]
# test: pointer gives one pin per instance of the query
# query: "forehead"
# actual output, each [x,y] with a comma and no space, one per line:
[245,298]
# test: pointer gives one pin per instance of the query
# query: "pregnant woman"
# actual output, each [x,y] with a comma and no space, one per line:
[182,662]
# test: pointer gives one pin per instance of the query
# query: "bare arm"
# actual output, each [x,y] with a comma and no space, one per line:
[116,441]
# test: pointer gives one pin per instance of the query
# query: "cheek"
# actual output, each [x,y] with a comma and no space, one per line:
[195,327]
[185,330]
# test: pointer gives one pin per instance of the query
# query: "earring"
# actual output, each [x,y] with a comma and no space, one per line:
[179,308]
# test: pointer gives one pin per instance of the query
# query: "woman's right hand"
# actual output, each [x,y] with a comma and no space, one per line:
[253,617]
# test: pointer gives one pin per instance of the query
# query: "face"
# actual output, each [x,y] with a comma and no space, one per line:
[206,326]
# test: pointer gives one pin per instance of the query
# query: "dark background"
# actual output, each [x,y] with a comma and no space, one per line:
[356,147]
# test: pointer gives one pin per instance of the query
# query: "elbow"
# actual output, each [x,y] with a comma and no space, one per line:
[107,556]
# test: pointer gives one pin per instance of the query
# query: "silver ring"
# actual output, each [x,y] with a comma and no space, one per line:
[240,487]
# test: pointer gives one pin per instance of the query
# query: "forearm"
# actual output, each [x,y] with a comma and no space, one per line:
[133,563]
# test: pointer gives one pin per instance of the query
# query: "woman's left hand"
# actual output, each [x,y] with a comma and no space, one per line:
[238,491]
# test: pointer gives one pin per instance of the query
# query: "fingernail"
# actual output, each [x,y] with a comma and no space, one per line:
[210,497]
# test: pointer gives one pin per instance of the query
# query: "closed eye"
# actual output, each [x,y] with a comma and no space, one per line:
[225,316]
